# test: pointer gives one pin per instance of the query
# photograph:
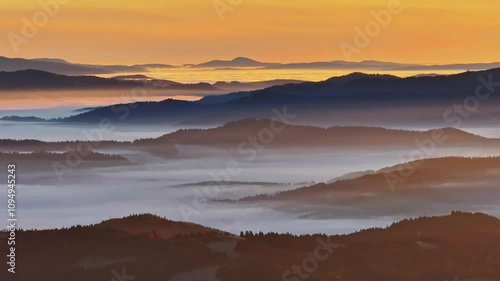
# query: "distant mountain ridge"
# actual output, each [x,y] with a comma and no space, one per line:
[49,65]
[36,79]
[61,66]
[64,67]
[371,95]
[42,80]
[237,62]
[344,65]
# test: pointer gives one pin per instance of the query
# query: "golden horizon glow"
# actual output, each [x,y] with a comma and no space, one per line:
[180,32]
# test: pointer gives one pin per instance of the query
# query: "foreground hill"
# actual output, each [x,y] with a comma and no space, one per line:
[155,226]
[461,245]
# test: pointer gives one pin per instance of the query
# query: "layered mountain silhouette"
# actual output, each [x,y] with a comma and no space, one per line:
[50,65]
[60,66]
[248,86]
[233,133]
[375,86]
[36,79]
[380,65]
[41,80]
[375,98]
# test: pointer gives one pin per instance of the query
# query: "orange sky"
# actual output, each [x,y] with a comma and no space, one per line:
[190,31]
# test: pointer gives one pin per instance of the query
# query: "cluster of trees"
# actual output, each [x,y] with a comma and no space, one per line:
[59,156]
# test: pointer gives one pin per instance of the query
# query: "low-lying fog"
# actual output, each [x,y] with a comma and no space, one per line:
[175,188]
[69,132]
[56,131]
[65,132]
[52,131]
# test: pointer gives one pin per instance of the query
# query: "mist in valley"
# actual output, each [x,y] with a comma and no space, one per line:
[200,188]
[196,185]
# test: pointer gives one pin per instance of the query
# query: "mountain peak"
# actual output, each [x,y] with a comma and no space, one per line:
[51,60]
[149,223]
[236,62]
[358,75]
[243,59]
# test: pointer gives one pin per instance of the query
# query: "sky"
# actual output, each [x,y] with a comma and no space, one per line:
[194,31]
